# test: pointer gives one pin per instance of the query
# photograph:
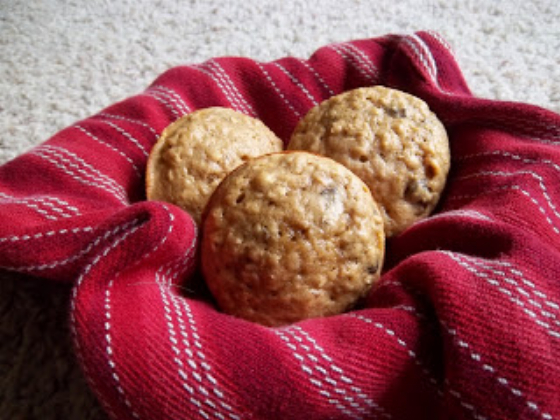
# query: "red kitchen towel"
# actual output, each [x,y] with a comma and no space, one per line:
[464,324]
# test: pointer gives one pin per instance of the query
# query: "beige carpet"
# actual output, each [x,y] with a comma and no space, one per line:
[64,60]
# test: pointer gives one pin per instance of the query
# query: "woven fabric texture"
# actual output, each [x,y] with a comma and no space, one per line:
[464,323]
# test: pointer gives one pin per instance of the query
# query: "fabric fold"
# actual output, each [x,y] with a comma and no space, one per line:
[464,323]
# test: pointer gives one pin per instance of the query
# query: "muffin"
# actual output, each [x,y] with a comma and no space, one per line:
[388,138]
[197,151]
[290,236]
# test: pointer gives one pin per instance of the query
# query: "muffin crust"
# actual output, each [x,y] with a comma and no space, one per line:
[391,140]
[290,236]
[196,152]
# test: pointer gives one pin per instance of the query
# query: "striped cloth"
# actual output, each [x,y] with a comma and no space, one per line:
[464,324]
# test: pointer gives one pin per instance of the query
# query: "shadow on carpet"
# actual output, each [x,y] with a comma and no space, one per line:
[39,374]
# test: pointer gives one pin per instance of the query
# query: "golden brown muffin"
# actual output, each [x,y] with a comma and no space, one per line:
[391,140]
[197,151]
[290,236]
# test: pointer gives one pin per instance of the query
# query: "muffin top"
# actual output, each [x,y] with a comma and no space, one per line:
[197,151]
[391,140]
[290,236]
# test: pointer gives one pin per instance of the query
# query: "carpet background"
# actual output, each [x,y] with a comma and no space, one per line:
[64,60]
